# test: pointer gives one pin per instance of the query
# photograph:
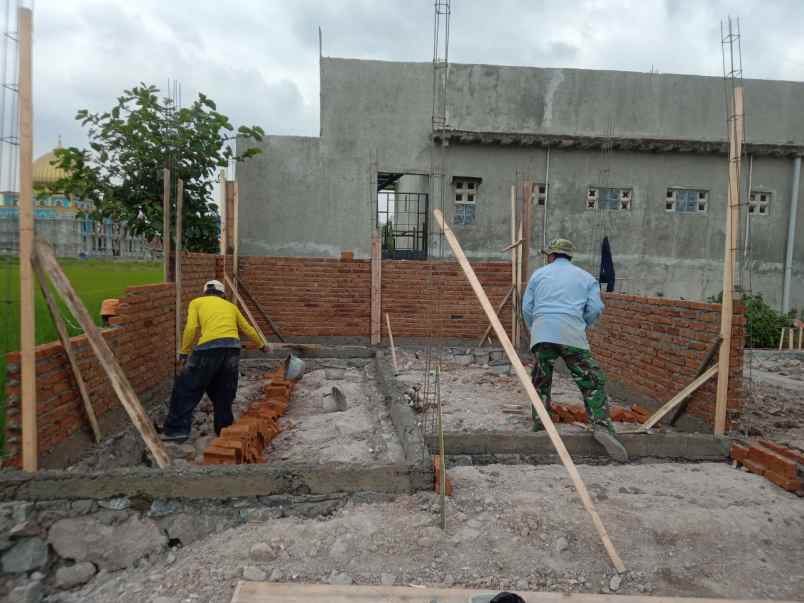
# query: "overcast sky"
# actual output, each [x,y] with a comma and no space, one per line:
[258,59]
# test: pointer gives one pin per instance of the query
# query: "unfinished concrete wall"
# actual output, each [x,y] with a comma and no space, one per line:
[655,346]
[143,340]
[317,196]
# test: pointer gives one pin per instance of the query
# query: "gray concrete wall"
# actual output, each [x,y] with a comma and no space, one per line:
[316,196]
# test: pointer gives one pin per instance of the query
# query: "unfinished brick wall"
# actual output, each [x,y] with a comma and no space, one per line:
[655,346]
[143,340]
[328,297]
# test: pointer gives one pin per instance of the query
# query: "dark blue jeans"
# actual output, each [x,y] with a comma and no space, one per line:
[212,371]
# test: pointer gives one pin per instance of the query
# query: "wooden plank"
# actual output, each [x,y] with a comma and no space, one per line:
[790,338]
[524,378]
[527,196]
[222,205]
[30,442]
[729,263]
[514,264]
[678,398]
[391,340]
[239,301]
[242,288]
[272,592]
[781,339]
[106,358]
[499,308]
[64,337]
[710,354]
[166,224]
[177,270]
[376,287]
[236,232]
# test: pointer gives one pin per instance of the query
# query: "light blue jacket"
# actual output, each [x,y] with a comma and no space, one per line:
[561,301]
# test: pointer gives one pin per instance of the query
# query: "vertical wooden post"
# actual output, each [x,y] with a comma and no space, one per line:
[222,204]
[527,195]
[166,223]
[781,339]
[514,268]
[376,287]
[790,337]
[177,271]
[30,446]
[391,341]
[235,232]
[729,263]
[800,333]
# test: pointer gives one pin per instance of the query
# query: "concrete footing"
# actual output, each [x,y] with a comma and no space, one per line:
[538,449]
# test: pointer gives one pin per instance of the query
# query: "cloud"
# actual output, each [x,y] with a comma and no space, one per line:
[259,60]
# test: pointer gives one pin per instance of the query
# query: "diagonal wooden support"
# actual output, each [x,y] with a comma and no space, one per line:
[708,357]
[106,358]
[501,305]
[678,399]
[64,337]
[242,287]
[520,371]
[239,301]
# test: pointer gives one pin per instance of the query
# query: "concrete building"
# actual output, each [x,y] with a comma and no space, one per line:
[637,157]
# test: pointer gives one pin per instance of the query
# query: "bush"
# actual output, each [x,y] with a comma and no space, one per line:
[763,323]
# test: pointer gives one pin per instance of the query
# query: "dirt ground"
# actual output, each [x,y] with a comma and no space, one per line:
[312,431]
[683,530]
[774,383]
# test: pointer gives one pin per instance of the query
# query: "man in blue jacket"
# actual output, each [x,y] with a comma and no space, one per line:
[561,301]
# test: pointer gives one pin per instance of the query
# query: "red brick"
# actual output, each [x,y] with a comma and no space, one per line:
[790,453]
[738,452]
[791,484]
[754,467]
[772,460]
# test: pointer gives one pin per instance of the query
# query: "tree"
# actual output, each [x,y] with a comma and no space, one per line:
[121,172]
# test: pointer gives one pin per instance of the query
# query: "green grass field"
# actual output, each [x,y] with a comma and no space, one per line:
[94,280]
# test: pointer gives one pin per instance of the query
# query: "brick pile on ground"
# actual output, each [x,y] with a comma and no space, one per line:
[576,413]
[779,464]
[245,440]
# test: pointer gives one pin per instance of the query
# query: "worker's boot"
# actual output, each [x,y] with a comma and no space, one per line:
[604,434]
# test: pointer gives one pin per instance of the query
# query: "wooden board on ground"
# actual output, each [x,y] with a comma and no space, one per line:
[271,592]
[120,383]
[525,379]
[64,337]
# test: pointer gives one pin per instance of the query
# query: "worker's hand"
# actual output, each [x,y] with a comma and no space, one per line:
[181,360]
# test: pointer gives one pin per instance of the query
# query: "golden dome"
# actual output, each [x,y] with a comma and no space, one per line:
[44,173]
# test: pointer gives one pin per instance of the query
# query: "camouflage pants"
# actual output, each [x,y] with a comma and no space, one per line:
[586,373]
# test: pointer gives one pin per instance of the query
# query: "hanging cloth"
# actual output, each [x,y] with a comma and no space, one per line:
[606,266]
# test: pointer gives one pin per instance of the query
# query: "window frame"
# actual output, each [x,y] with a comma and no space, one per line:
[671,200]
[759,204]
[625,198]
[462,185]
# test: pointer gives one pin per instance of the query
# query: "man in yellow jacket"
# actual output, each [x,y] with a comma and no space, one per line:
[213,366]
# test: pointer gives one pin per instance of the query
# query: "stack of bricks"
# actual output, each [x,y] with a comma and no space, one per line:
[575,413]
[778,464]
[246,439]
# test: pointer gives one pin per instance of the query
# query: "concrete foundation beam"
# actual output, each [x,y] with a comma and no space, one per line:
[217,481]
[582,446]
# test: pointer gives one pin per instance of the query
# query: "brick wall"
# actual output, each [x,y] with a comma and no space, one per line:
[327,297]
[654,346]
[143,340]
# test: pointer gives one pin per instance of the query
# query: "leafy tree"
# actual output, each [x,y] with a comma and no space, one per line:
[121,172]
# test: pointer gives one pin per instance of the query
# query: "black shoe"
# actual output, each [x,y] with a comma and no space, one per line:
[609,441]
[178,438]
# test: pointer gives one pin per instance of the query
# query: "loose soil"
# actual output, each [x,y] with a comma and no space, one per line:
[704,530]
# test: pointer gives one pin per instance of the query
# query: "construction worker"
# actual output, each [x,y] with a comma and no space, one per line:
[214,365]
[560,302]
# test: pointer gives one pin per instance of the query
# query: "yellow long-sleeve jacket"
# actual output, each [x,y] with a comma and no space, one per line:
[217,319]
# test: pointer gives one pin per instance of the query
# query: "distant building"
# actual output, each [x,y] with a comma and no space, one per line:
[57,218]
[640,158]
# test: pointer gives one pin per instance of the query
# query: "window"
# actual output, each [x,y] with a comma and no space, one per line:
[540,194]
[686,200]
[608,198]
[465,191]
[759,202]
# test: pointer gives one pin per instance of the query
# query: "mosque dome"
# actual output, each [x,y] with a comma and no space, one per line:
[44,173]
